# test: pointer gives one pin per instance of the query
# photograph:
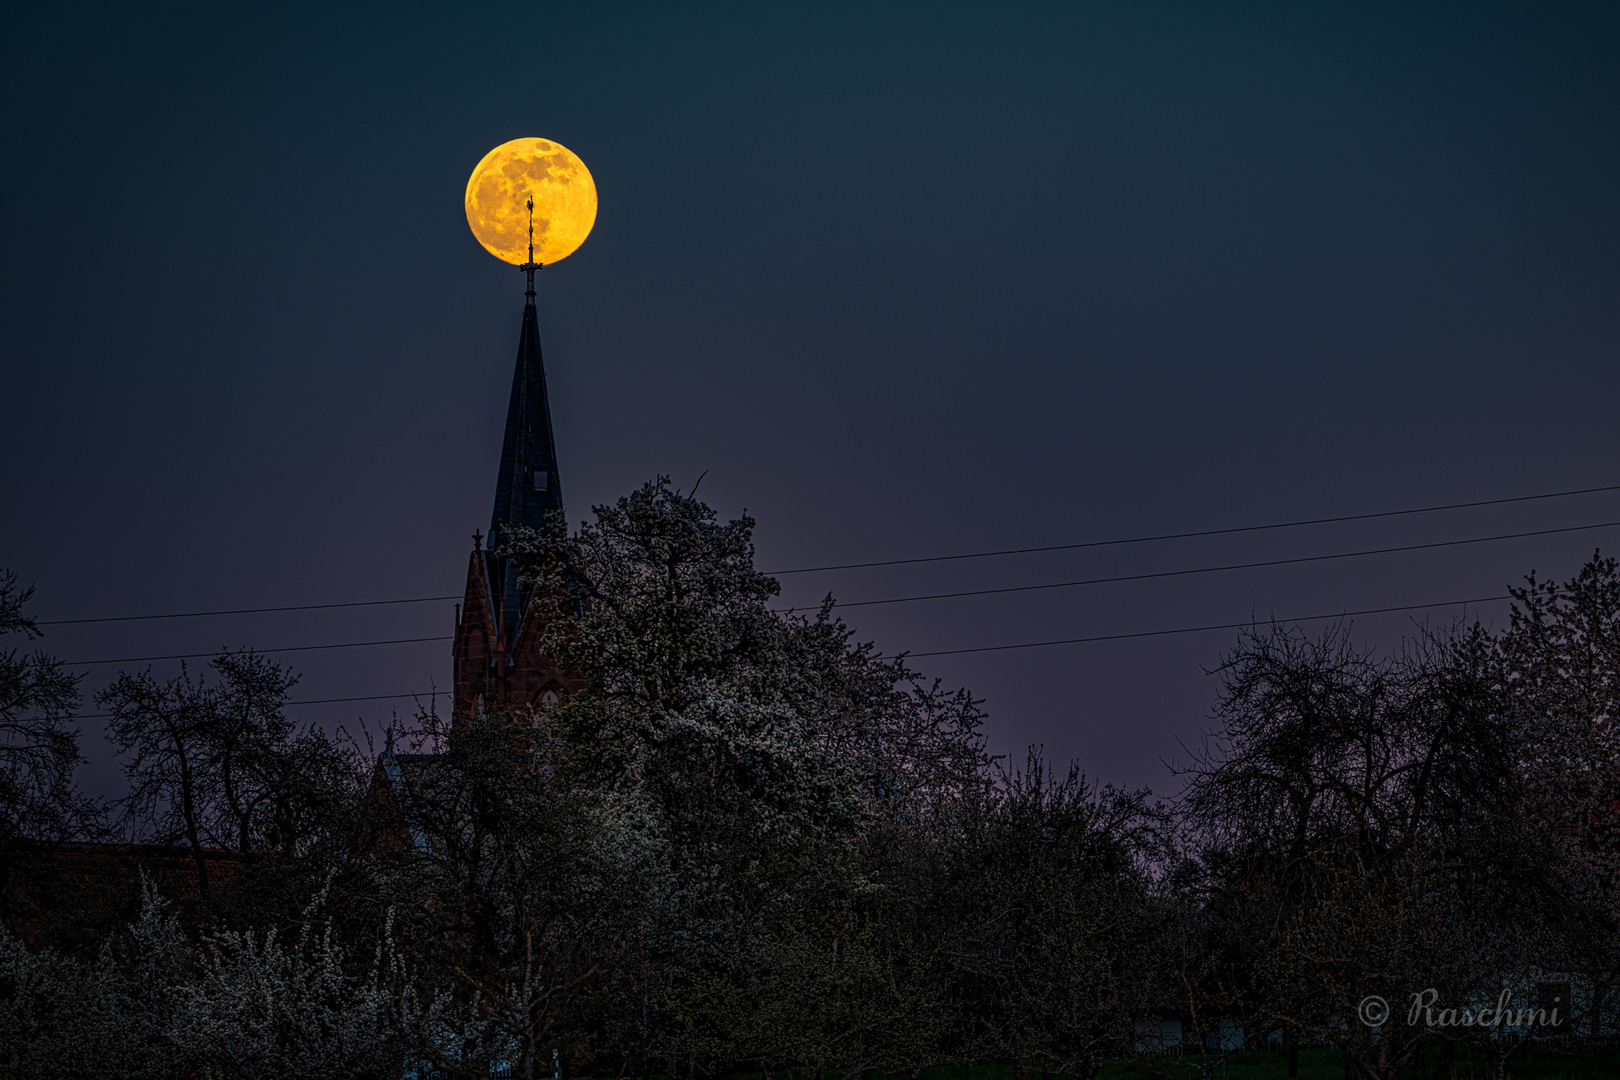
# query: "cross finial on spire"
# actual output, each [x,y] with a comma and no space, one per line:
[531,266]
[528,489]
[478,540]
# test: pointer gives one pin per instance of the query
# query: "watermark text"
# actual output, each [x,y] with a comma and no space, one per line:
[1427,1010]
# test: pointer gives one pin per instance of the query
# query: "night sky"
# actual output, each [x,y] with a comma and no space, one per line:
[900,281]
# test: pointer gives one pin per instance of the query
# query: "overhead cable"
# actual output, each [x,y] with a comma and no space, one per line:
[1217,569]
[1002,648]
[964,593]
[247,611]
[288,648]
[1201,532]
[1202,629]
[306,701]
[903,562]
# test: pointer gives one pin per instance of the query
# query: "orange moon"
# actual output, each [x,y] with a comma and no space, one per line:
[564,201]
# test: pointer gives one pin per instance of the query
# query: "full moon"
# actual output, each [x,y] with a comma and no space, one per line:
[564,201]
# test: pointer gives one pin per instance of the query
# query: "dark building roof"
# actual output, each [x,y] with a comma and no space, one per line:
[73,895]
[406,778]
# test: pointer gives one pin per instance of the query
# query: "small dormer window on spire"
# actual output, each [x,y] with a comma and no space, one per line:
[542,480]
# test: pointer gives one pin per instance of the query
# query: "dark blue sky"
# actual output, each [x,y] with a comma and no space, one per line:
[905,281]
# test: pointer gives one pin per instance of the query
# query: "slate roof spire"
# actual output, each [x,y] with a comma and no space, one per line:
[528,489]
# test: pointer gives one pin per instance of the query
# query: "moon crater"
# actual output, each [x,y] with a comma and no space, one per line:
[564,201]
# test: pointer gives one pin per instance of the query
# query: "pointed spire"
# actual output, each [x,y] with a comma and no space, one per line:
[528,488]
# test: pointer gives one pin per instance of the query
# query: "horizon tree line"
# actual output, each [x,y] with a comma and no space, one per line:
[750,843]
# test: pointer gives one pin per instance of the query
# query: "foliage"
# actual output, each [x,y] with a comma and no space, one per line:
[261,1005]
[62,1015]
[1560,660]
[492,914]
[218,765]
[736,761]
[747,842]
[38,750]
[230,1005]
[1363,829]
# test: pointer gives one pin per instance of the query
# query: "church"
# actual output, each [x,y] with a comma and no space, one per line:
[499,663]
[73,894]
[497,655]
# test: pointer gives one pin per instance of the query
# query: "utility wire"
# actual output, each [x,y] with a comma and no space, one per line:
[1201,532]
[1201,629]
[994,648]
[247,611]
[905,562]
[307,701]
[952,595]
[289,648]
[1230,566]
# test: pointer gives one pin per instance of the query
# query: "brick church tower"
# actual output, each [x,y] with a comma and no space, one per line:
[497,655]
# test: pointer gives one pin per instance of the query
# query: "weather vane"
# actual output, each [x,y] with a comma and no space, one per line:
[531,173]
[531,266]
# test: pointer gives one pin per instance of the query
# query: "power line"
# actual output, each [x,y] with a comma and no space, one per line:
[901,562]
[1006,648]
[307,701]
[289,648]
[953,595]
[1201,532]
[1201,629]
[1230,566]
[247,611]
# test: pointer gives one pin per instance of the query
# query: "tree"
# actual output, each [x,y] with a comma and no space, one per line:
[63,1015]
[38,750]
[260,1005]
[733,755]
[51,1022]
[495,909]
[219,765]
[1560,659]
[237,1004]
[1058,938]
[164,726]
[1362,825]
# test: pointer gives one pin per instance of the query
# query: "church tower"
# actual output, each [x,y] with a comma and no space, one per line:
[496,652]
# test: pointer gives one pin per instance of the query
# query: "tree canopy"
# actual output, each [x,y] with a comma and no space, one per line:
[747,841]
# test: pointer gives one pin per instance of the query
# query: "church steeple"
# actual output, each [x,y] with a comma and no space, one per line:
[527,489]
[499,646]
